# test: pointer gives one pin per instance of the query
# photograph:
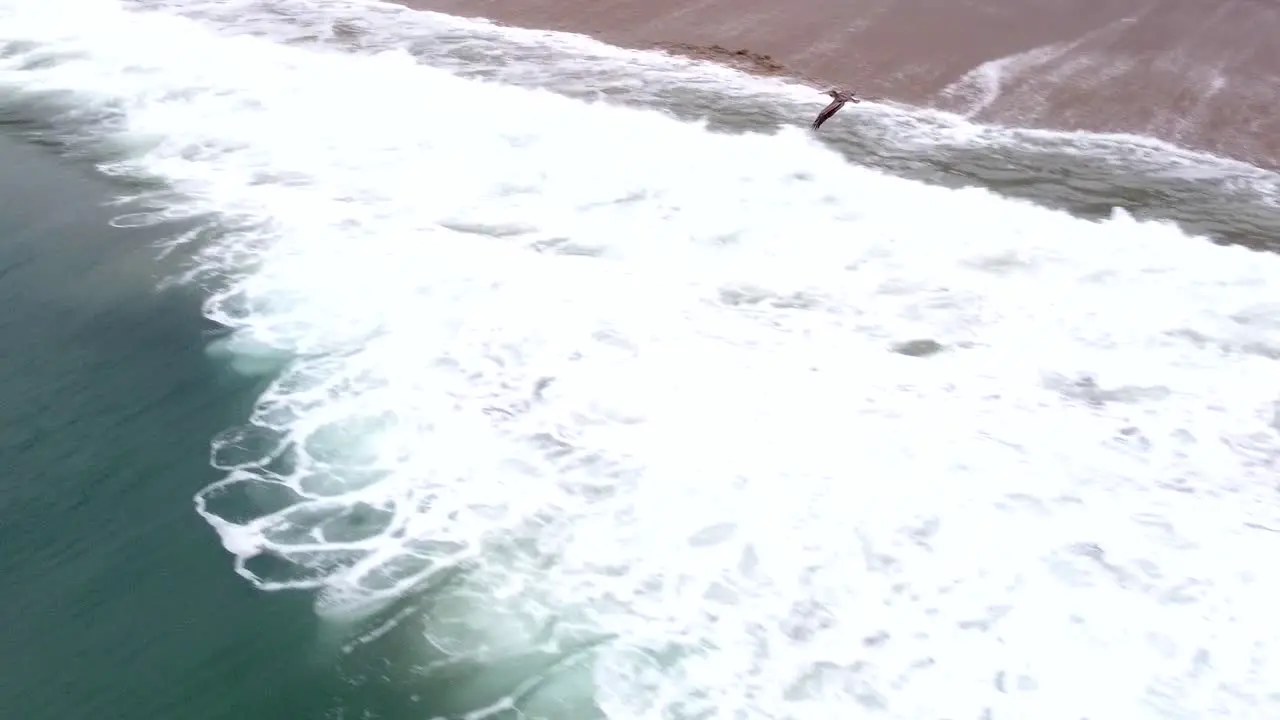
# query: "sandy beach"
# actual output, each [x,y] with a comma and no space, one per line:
[1195,73]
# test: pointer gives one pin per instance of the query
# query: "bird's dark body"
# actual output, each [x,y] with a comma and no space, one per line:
[838,100]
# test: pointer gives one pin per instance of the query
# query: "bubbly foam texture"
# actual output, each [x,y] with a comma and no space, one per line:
[648,383]
[581,66]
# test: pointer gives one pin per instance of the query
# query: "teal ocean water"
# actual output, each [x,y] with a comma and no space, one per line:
[323,396]
[116,603]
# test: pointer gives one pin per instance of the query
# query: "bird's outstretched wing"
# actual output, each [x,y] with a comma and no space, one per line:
[827,112]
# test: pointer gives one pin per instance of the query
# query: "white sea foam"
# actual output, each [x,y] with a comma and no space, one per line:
[575,63]
[638,378]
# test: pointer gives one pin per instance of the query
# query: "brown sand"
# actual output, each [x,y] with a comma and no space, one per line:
[1201,73]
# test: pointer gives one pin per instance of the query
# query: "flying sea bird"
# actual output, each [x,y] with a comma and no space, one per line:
[838,99]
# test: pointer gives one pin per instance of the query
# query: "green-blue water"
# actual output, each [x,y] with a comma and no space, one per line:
[117,601]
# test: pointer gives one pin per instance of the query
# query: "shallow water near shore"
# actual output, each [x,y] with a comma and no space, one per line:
[545,379]
[1086,174]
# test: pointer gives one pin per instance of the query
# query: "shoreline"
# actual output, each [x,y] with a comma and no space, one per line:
[1173,70]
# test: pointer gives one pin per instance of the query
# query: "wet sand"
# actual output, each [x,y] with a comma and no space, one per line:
[1201,74]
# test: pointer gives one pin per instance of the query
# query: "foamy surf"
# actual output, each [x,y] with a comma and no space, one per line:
[774,435]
